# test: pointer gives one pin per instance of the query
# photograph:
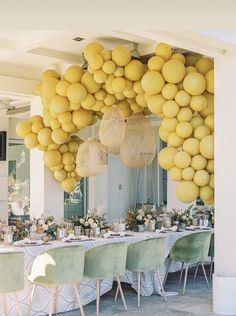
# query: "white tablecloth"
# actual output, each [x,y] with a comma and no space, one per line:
[67,299]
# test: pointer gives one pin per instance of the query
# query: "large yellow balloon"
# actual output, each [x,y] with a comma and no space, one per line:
[176,174]
[173,71]
[163,50]
[170,108]
[201,178]
[152,82]
[184,129]
[166,157]
[206,193]
[60,175]
[52,158]
[155,103]
[82,118]
[194,83]
[207,147]
[59,136]
[76,92]
[121,55]
[182,159]
[198,162]
[188,173]
[23,128]
[44,136]
[187,191]
[31,140]
[92,49]
[68,185]
[210,81]
[191,146]
[134,70]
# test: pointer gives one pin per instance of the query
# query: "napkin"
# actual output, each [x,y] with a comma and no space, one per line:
[69,237]
[27,241]
[106,235]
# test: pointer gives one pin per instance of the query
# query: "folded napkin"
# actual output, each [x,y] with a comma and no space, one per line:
[106,235]
[73,237]
[27,241]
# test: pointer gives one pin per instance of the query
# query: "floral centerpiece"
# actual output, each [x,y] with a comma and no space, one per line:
[21,229]
[45,226]
[181,217]
[90,221]
[207,212]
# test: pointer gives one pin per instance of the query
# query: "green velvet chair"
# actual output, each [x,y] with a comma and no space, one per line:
[144,256]
[11,276]
[210,254]
[106,261]
[191,248]
[58,266]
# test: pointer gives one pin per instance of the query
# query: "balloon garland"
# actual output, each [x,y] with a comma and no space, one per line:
[177,88]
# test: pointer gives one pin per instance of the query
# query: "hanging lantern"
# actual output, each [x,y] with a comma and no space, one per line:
[139,146]
[112,128]
[91,158]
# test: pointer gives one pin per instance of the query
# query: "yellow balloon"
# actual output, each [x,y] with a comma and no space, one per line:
[179,57]
[49,87]
[44,136]
[156,63]
[119,72]
[190,69]
[188,173]
[210,105]
[135,107]
[201,178]
[106,54]
[53,146]
[187,191]
[138,87]
[196,121]
[182,159]
[36,119]
[61,88]
[152,82]
[198,162]
[37,126]
[76,92]
[155,103]
[69,168]
[52,158]
[169,124]
[184,129]
[109,67]
[96,61]
[209,121]
[90,84]
[140,99]
[191,146]
[54,123]
[201,132]
[176,174]
[169,91]
[68,158]
[88,102]
[212,181]
[185,114]
[100,95]
[59,136]
[198,103]
[118,84]
[69,127]
[174,140]
[82,117]
[63,148]
[100,76]
[60,175]
[206,193]
[163,50]
[166,157]
[182,98]
[23,128]
[92,49]
[210,81]
[59,104]
[65,117]
[121,55]
[173,71]
[191,59]
[204,64]
[68,185]
[31,140]
[134,70]
[170,108]
[207,147]
[109,99]
[194,83]
[210,166]
[164,135]
[50,73]
[73,146]
[41,147]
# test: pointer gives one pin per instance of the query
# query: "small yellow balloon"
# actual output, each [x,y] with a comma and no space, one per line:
[169,91]
[31,140]
[65,117]
[166,157]
[207,147]
[59,104]
[156,63]
[210,81]
[155,103]
[176,174]
[164,135]
[92,49]
[206,193]
[173,71]
[201,178]
[188,173]
[50,73]
[201,132]
[100,76]
[182,159]
[76,92]
[182,98]
[61,88]
[152,82]
[44,136]
[52,158]
[198,162]
[170,108]
[54,123]
[68,158]
[23,128]
[134,70]
[196,121]
[49,87]
[121,55]
[169,124]
[191,146]
[68,185]
[82,117]
[118,84]
[60,175]
[174,140]
[209,121]
[163,50]
[59,136]
[89,83]
[184,129]
[212,181]
[198,103]
[63,148]
[37,126]
[194,83]
[185,114]
[204,65]
[210,166]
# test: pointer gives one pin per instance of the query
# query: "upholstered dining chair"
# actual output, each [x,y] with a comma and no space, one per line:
[58,266]
[146,255]
[11,276]
[106,261]
[188,249]
[211,255]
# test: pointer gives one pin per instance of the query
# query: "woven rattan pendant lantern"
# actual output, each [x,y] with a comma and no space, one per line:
[139,146]
[91,158]
[112,128]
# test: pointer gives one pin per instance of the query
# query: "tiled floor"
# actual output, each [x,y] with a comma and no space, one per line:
[196,302]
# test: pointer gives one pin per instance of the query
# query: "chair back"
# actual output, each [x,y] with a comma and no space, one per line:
[191,248]
[146,255]
[58,266]
[11,271]
[212,245]
[106,261]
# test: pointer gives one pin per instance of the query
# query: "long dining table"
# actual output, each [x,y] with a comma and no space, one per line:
[66,296]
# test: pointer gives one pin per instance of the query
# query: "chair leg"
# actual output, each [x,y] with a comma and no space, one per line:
[4,304]
[211,268]
[161,285]
[17,304]
[139,285]
[204,272]
[117,292]
[31,299]
[98,297]
[196,271]
[56,300]
[181,273]
[78,299]
[51,302]
[167,271]
[121,292]
[185,278]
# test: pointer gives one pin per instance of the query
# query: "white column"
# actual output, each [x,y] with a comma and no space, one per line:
[46,195]
[224,287]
